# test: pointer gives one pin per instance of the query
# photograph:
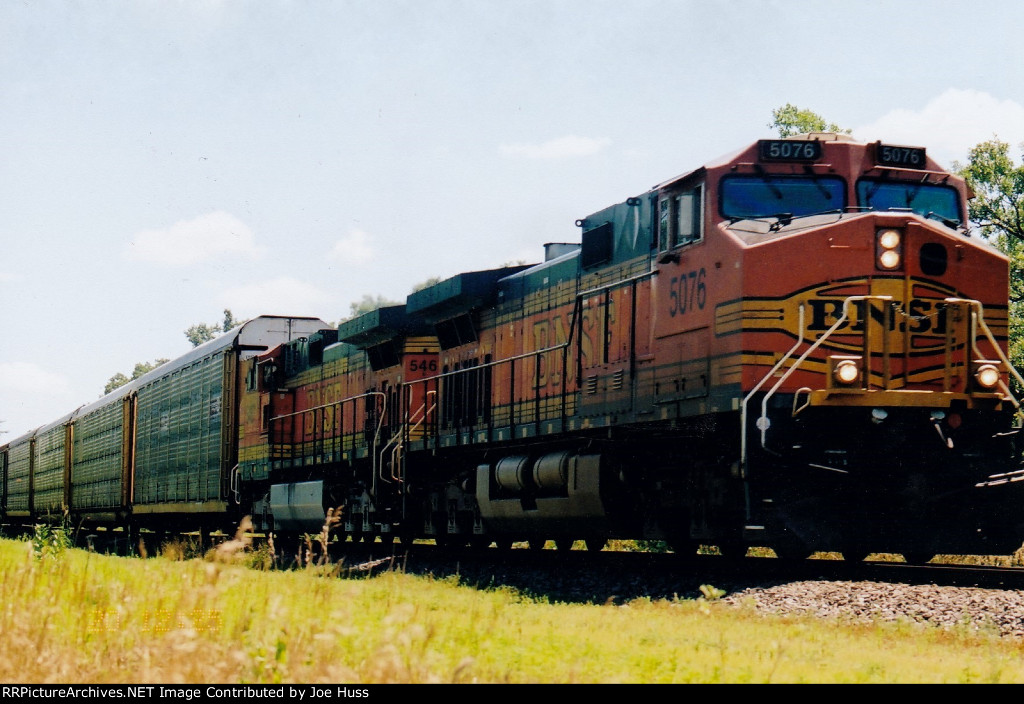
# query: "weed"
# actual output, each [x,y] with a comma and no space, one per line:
[711,593]
[50,541]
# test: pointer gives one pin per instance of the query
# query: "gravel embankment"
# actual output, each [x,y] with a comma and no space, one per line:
[988,610]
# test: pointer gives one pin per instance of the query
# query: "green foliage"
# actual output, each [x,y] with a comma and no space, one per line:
[201,332]
[997,208]
[141,368]
[49,541]
[426,284]
[997,211]
[367,303]
[790,120]
[711,593]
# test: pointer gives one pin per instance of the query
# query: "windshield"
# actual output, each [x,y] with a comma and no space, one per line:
[924,199]
[767,195]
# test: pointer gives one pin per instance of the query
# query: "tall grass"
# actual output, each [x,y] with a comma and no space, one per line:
[74,616]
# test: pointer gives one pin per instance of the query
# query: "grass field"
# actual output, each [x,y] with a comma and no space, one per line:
[70,616]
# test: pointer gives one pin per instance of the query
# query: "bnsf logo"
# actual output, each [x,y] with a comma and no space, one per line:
[918,322]
[920,316]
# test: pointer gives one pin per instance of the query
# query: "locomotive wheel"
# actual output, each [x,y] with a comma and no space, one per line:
[480,542]
[287,546]
[791,550]
[685,548]
[792,554]
[732,549]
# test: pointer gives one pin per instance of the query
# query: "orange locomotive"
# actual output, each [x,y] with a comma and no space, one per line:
[797,346]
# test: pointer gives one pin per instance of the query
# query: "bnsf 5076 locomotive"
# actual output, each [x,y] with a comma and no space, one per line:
[796,346]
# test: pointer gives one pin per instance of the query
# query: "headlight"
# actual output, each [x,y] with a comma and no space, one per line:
[889,239]
[888,248]
[846,372]
[987,376]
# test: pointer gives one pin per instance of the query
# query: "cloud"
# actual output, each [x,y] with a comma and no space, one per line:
[950,124]
[193,241]
[561,148]
[353,248]
[281,296]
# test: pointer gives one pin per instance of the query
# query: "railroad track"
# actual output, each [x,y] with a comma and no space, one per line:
[580,575]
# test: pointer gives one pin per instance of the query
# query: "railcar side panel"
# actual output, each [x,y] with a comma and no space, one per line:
[20,461]
[50,470]
[179,458]
[99,460]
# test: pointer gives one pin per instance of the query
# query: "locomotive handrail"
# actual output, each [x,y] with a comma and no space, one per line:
[757,387]
[979,313]
[398,439]
[763,420]
[617,283]
[574,330]
[398,448]
[341,402]
[236,482]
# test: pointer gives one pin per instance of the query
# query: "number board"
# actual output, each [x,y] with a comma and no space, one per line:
[905,157]
[789,150]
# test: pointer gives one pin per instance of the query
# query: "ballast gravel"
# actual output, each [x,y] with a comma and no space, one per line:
[984,610]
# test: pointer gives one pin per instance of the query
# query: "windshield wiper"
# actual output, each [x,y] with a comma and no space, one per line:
[825,193]
[911,194]
[766,177]
[948,222]
[781,220]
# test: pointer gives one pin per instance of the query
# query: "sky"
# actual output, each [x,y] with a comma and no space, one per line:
[162,160]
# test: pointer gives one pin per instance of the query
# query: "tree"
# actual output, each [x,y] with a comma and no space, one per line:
[426,284]
[997,211]
[367,303]
[141,368]
[790,120]
[201,332]
[997,208]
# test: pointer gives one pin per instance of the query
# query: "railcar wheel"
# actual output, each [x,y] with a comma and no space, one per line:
[918,558]
[503,544]
[595,544]
[536,543]
[564,544]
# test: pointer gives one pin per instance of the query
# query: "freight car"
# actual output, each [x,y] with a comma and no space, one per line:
[157,452]
[798,346]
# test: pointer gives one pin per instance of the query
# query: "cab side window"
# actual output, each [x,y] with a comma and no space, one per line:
[680,217]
